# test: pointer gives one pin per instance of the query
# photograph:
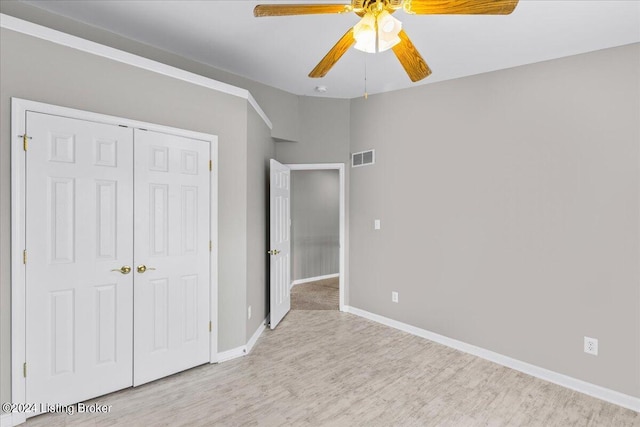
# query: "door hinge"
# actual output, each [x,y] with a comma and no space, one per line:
[210,245]
[24,256]
[210,326]
[210,165]
[25,141]
[24,369]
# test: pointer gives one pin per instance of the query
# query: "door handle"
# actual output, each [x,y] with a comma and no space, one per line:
[273,252]
[142,268]
[125,269]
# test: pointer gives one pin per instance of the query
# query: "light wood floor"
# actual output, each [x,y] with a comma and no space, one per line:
[330,368]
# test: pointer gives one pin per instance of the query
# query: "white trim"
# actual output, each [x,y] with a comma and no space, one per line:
[57,110]
[64,39]
[314,166]
[243,350]
[213,254]
[590,389]
[19,107]
[234,353]
[259,110]
[255,336]
[313,279]
[18,326]
[343,216]
[8,420]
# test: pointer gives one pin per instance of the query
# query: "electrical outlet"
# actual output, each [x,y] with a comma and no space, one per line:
[249,313]
[376,224]
[591,346]
[394,296]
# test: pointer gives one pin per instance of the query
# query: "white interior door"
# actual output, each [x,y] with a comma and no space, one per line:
[79,234]
[279,241]
[172,242]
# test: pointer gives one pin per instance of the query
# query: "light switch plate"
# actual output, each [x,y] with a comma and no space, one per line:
[376,224]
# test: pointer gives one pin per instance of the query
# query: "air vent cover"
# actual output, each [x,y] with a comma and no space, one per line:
[363,158]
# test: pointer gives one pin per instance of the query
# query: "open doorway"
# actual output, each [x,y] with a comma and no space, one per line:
[317,237]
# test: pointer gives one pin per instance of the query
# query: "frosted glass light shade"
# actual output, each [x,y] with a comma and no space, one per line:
[387,36]
[365,34]
[388,29]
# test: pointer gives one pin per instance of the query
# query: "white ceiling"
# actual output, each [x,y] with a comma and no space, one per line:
[280,51]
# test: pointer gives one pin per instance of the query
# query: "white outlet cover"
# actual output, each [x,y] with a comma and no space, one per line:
[591,346]
[376,224]
[394,296]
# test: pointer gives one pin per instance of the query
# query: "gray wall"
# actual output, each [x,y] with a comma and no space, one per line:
[79,80]
[261,148]
[324,132]
[324,138]
[509,204]
[315,232]
[281,107]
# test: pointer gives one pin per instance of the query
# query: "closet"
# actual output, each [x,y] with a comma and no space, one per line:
[117,232]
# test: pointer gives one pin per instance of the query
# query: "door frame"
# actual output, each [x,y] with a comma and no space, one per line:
[340,168]
[19,108]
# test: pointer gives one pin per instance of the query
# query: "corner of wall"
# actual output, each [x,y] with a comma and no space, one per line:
[260,149]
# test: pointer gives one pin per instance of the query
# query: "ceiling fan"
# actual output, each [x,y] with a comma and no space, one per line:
[378,31]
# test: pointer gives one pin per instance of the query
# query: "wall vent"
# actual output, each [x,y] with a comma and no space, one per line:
[363,158]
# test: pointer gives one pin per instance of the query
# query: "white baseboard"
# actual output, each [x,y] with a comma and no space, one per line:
[313,279]
[593,390]
[234,353]
[243,350]
[10,420]
[255,336]
[6,420]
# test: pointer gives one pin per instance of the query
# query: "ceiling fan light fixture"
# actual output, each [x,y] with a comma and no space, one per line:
[378,31]
[365,34]
[370,41]
[388,30]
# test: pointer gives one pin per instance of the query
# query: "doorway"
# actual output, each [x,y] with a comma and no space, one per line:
[317,235]
[315,240]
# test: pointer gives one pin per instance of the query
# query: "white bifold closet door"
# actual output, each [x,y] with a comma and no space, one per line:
[79,229]
[171,317]
[117,268]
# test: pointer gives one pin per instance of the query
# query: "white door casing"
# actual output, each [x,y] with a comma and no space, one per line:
[279,241]
[171,313]
[79,229]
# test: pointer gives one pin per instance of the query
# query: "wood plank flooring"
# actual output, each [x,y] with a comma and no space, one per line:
[327,368]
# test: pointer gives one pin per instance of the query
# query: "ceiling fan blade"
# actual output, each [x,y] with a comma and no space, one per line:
[299,9]
[410,58]
[333,55]
[460,7]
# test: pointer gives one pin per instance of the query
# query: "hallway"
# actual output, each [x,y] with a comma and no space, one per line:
[318,295]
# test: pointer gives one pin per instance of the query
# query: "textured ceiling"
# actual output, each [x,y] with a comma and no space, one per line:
[280,51]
